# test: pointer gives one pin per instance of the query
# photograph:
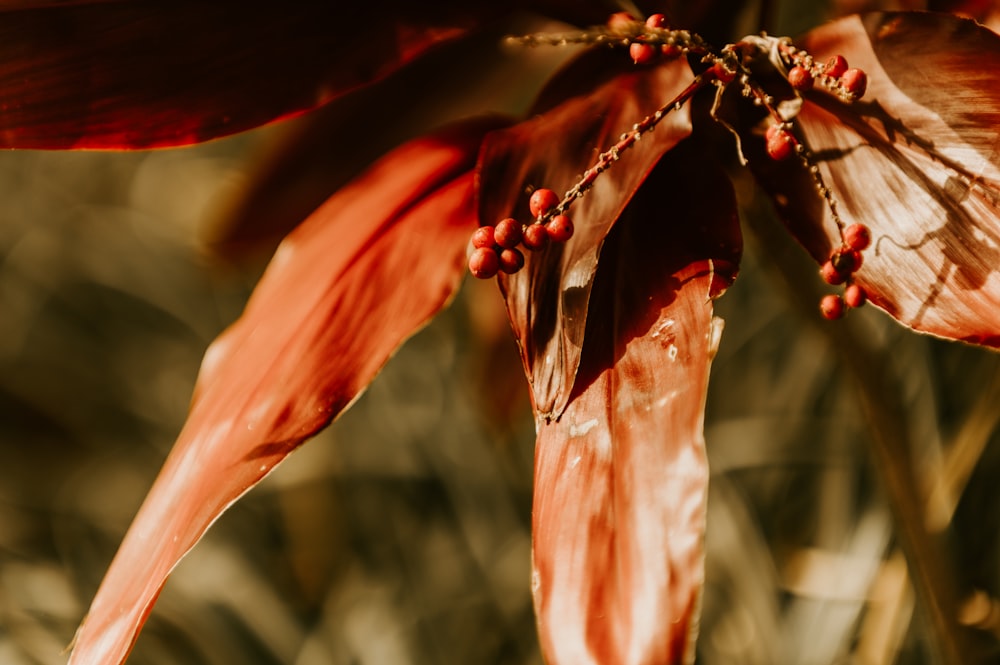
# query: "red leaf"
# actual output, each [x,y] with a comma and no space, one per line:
[120,74]
[605,95]
[621,476]
[336,301]
[918,161]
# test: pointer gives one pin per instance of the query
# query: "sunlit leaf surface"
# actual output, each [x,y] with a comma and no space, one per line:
[621,477]
[342,292]
[917,160]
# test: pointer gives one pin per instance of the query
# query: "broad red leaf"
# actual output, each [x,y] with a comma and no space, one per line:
[917,160]
[119,74]
[342,292]
[621,476]
[605,95]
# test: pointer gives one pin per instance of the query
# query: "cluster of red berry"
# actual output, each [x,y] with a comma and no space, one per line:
[834,75]
[840,267]
[495,248]
[644,53]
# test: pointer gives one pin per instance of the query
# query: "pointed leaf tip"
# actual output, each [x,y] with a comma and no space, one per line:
[335,302]
[583,112]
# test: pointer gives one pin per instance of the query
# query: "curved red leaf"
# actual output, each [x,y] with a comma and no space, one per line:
[918,161]
[336,301]
[604,96]
[122,74]
[621,476]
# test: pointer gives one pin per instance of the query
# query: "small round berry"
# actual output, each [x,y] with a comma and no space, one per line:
[508,233]
[560,228]
[854,82]
[855,296]
[831,307]
[835,66]
[857,237]
[483,237]
[620,21]
[847,260]
[780,144]
[642,54]
[671,50]
[536,237]
[511,260]
[484,263]
[658,21]
[800,78]
[720,72]
[831,275]
[542,200]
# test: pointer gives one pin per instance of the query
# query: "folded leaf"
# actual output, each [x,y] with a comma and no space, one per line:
[621,476]
[605,95]
[342,292]
[917,160]
[119,74]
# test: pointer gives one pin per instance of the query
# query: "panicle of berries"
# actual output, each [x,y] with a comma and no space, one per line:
[803,72]
[495,249]
[840,267]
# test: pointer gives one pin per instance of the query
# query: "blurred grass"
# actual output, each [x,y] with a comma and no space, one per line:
[402,534]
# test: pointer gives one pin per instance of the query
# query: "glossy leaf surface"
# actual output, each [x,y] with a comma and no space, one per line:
[604,96]
[621,476]
[342,292]
[917,160]
[120,74]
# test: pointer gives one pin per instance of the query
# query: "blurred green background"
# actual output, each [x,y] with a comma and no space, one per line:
[402,534]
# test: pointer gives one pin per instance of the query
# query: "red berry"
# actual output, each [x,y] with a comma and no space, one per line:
[835,66]
[484,263]
[800,78]
[536,237]
[847,260]
[854,82]
[658,21]
[560,228]
[857,237]
[780,144]
[723,74]
[855,296]
[831,275]
[831,307]
[508,233]
[642,54]
[671,51]
[483,237]
[511,260]
[620,21]
[542,200]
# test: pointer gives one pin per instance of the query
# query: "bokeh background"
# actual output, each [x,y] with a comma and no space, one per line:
[402,534]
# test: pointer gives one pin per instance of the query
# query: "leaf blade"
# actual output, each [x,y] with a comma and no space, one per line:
[287,367]
[604,97]
[621,476]
[918,161]
[122,75]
